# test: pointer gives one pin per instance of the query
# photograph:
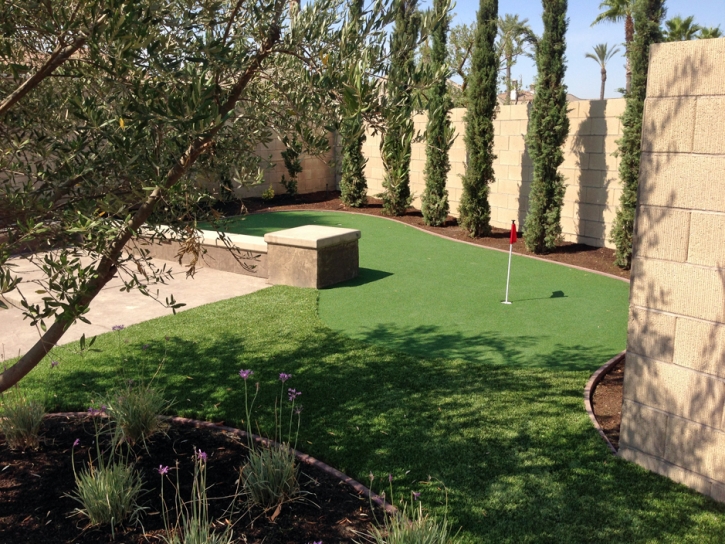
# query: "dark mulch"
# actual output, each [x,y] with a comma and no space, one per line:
[34,508]
[594,258]
[607,402]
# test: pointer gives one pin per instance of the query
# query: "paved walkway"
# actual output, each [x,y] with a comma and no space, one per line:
[114,307]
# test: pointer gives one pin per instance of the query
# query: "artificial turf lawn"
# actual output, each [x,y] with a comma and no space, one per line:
[432,297]
[519,458]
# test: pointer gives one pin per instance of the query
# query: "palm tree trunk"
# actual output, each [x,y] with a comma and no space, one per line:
[507,100]
[604,81]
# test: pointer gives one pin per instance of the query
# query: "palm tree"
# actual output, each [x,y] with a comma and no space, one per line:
[514,36]
[678,29]
[602,55]
[616,11]
[707,33]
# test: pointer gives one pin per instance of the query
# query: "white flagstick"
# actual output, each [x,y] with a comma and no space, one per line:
[512,239]
[508,275]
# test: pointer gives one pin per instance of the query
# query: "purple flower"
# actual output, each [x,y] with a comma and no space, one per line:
[201,456]
[283,377]
[244,374]
[390,478]
[416,495]
[103,408]
[118,327]
[53,364]
[163,470]
[293,394]
[317,542]
[93,411]
[77,442]
[298,409]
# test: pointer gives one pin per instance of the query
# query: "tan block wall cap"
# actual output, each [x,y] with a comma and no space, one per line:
[312,236]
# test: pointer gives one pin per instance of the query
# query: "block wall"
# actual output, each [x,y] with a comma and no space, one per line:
[318,173]
[673,414]
[590,170]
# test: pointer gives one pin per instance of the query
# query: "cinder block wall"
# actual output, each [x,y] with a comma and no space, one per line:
[673,416]
[591,172]
[318,173]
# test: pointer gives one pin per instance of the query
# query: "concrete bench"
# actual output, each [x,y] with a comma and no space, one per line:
[312,256]
[308,256]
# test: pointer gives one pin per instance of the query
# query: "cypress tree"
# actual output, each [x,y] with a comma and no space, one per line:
[439,132]
[475,210]
[396,143]
[548,129]
[647,15]
[353,185]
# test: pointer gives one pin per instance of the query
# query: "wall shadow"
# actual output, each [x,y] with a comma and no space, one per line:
[585,146]
[527,177]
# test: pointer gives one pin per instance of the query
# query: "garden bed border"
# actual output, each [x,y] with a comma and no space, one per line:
[597,377]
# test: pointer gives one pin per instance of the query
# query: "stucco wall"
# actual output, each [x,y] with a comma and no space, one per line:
[673,416]
[590,170]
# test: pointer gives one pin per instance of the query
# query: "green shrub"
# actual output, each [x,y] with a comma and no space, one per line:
[418,528]
[269,478]
[20,420]
[193,525]
[134,410]
[269,193]
[108,493]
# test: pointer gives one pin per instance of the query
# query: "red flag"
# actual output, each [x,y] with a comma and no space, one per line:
[514,236]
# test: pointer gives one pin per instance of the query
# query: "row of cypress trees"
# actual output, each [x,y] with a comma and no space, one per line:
[547,132]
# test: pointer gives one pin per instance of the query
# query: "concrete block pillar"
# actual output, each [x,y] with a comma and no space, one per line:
[673,414]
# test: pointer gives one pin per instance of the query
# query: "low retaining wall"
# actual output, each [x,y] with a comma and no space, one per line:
[308,256]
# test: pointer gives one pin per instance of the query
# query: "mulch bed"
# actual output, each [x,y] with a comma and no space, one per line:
[607,402]
[34,507]
[593,258]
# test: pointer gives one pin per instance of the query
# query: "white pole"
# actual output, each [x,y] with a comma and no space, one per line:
[508,275]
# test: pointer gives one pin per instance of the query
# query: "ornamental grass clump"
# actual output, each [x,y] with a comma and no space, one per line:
[410,525]
[135,410]
[269,477]
[193,525]
[20,419]
[108,491]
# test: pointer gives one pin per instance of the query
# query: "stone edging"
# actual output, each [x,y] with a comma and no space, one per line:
[597,377]
[605,274]
[302,457]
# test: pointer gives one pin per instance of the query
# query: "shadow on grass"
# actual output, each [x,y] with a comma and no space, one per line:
[513,445]
[366,275]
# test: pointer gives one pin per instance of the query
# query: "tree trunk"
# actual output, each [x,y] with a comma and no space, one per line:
[604,81]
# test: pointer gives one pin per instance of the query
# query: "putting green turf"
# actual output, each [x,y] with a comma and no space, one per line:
[432,297]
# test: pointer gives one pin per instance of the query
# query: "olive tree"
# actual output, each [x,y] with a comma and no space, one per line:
[112,109]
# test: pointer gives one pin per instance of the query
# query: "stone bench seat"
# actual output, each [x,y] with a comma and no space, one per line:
[308,256]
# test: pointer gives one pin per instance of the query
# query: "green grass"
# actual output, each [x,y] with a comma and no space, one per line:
[500,421]
[435,298]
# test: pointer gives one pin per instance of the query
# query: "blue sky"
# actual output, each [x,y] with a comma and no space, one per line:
[582,76]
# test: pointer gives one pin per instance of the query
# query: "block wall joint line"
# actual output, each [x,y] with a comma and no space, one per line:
[692,265]
[671,314]
[688,209]
[669,463]
[694,371]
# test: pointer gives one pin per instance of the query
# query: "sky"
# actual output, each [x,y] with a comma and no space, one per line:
[583,75]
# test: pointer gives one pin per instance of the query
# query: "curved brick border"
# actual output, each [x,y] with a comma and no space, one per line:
[625,280]
[302,457]
[597,377]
